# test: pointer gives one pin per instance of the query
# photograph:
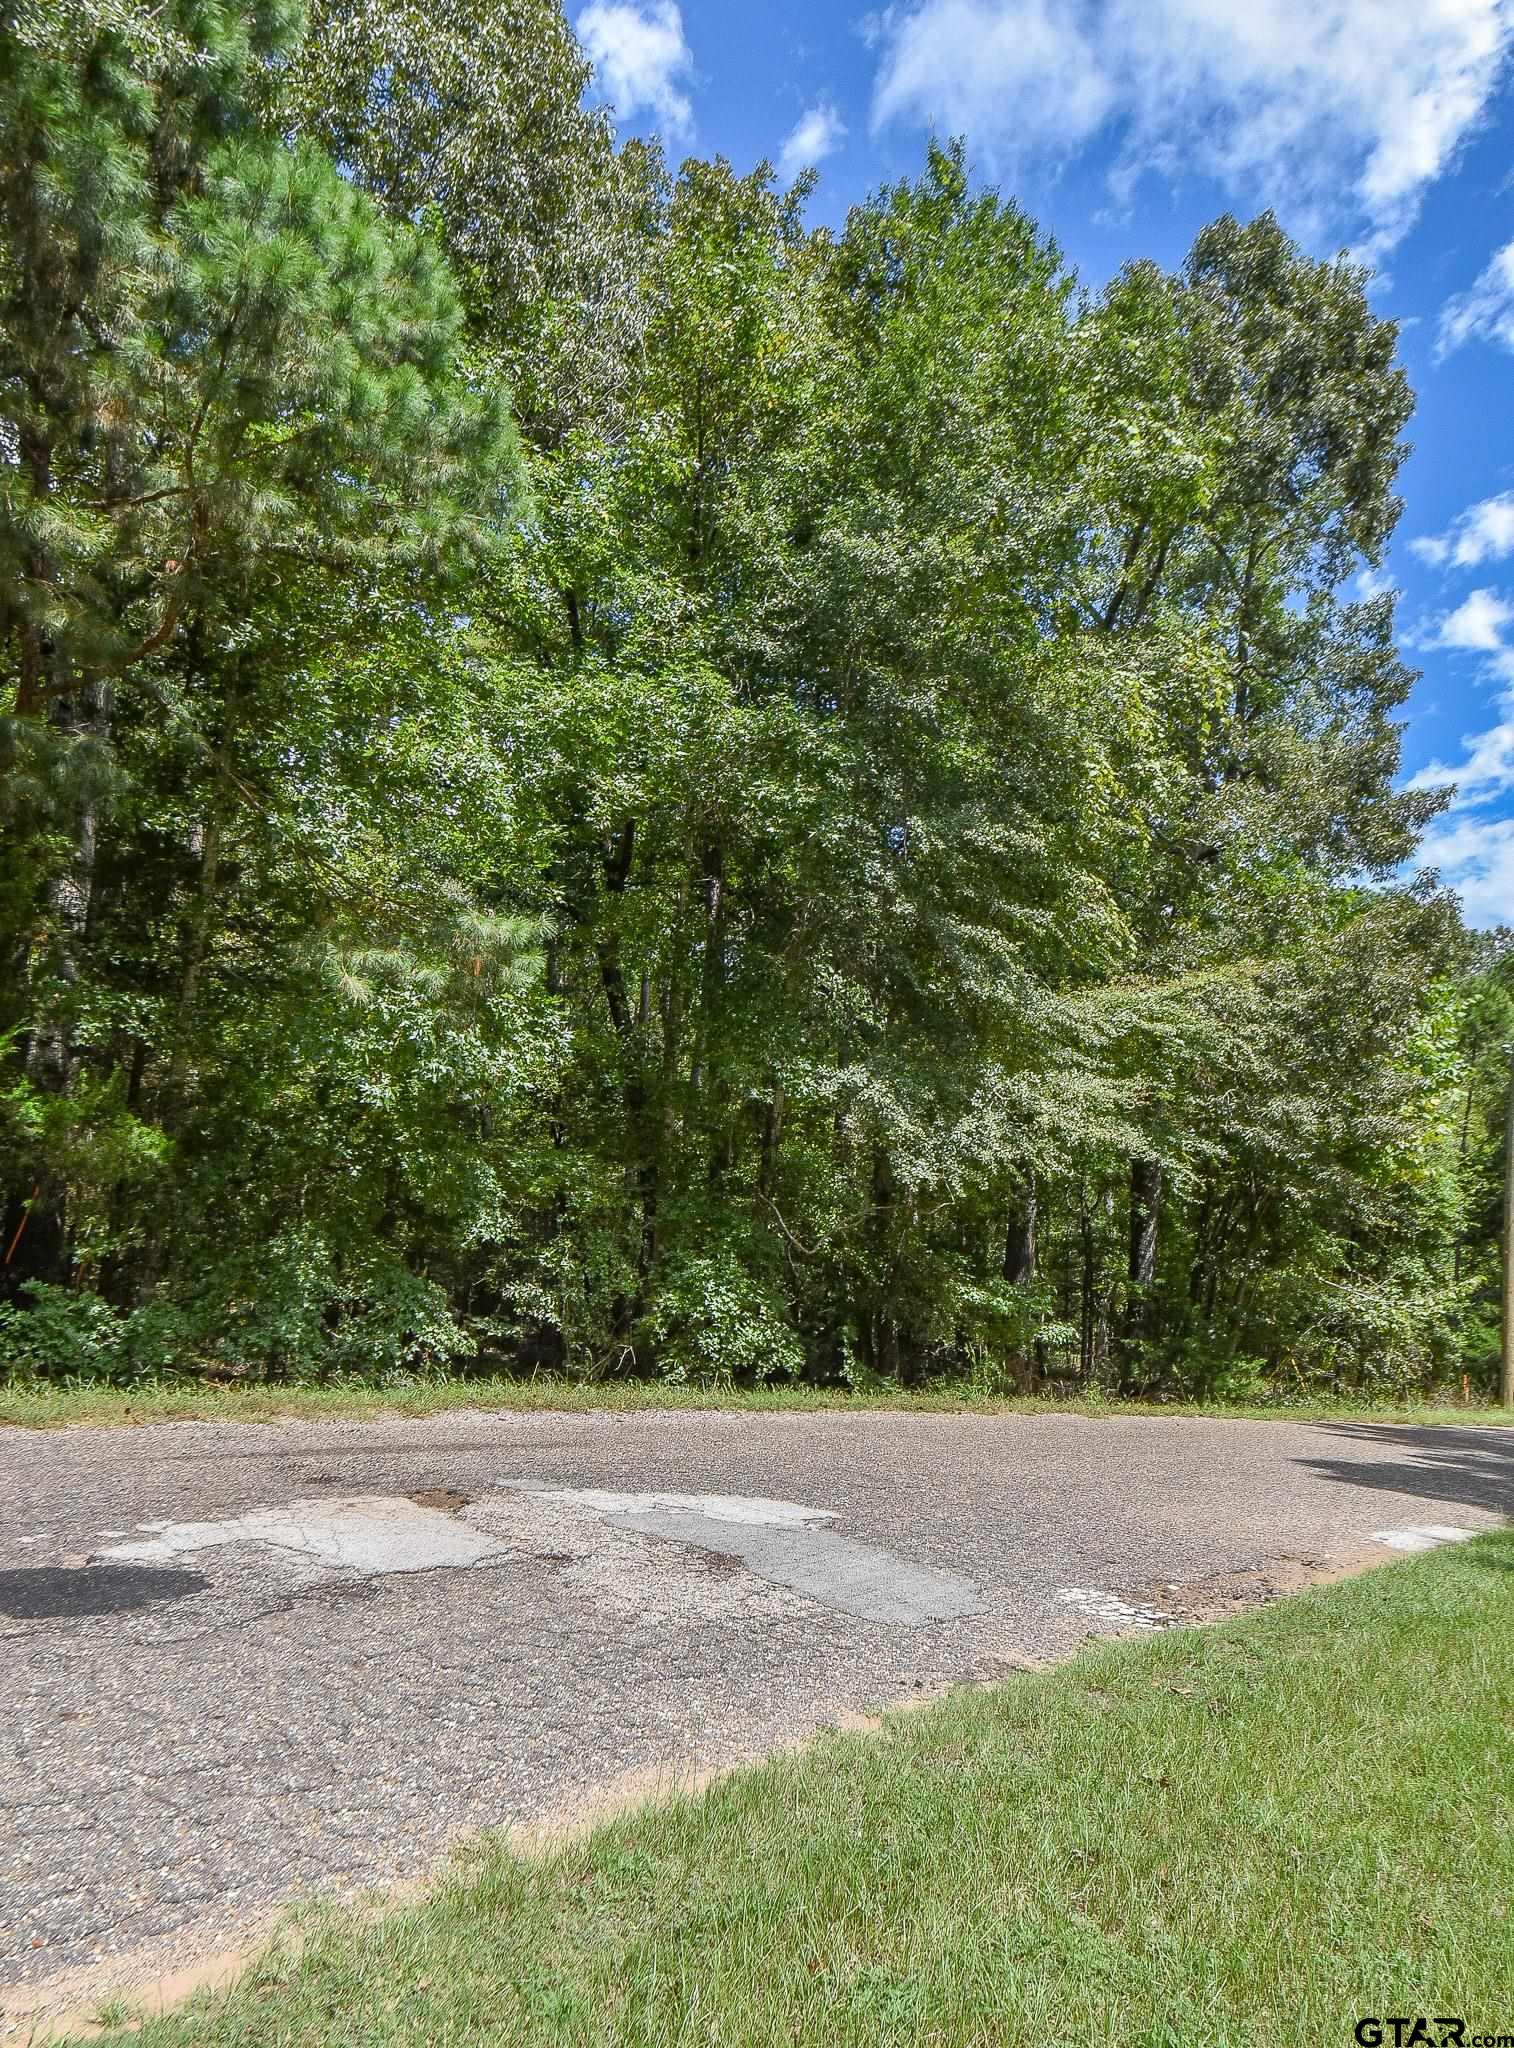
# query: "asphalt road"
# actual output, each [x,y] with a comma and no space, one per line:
[246,1661]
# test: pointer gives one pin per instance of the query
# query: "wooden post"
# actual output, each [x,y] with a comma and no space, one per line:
[1506,1375]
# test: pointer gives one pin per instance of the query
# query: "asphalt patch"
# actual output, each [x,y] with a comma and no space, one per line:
[53,1592]
[836,1571]
[371,1535]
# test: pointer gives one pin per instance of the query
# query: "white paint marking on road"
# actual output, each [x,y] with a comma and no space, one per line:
[1422,1536]
[369,1534]
[714,1507]
[1110,1607]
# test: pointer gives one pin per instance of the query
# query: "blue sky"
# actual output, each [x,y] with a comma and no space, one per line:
[1382,126]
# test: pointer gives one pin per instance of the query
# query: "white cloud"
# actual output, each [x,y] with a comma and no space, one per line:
[1483,533]
[815,136]
[1486,312]
[1476,626]
[1475,857]
[1342,111]
[1487,771]
[1002,72]
[639,57]
[1475,853]
[1370,583]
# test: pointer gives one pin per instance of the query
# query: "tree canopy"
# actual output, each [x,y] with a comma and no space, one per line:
[597,777]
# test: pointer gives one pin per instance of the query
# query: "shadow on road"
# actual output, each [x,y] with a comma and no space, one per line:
[1471,1468]
[48,1592]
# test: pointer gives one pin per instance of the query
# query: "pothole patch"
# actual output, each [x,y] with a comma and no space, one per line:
[46,1592]
[370,1535]
[1223,1594]
[788,1544]
[1422,1536]
[1101,1606]
[744,1510]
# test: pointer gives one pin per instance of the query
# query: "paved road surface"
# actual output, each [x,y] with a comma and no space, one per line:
[242,1661]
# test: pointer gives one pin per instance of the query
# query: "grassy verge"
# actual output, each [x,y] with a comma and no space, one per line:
[1251,1834]
[40,1406]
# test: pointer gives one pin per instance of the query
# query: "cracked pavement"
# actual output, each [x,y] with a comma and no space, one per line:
[248,1661]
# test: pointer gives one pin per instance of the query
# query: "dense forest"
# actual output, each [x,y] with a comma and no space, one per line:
[598,779]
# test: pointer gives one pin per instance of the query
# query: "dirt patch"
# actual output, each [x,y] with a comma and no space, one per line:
[993,1669]
[1230,1593]
[66,2006]
[648,1785]
[714,1560]
[447,1498]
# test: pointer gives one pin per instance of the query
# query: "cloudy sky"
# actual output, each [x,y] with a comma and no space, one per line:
[1383,126]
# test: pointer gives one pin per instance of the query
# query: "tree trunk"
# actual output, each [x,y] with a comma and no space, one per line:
[1145,1213]
[198,945]
[1020,1237]
[1088,1284]
[1506,1362]
[712,966]
[891,1342]
[640,1123]
[36,1233]
[772,1133]
[1145,1208]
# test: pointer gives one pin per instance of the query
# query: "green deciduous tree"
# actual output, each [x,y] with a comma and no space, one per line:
[863,846]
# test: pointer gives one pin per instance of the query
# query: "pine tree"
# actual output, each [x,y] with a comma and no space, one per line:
[217,357]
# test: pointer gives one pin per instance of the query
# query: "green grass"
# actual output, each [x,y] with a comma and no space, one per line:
[1248,1834]
[37,1405]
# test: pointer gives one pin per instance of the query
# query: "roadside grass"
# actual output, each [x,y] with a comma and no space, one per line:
[1249,1834]
[36,1404]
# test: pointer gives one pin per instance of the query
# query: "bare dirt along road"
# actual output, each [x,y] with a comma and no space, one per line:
[244,1661]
